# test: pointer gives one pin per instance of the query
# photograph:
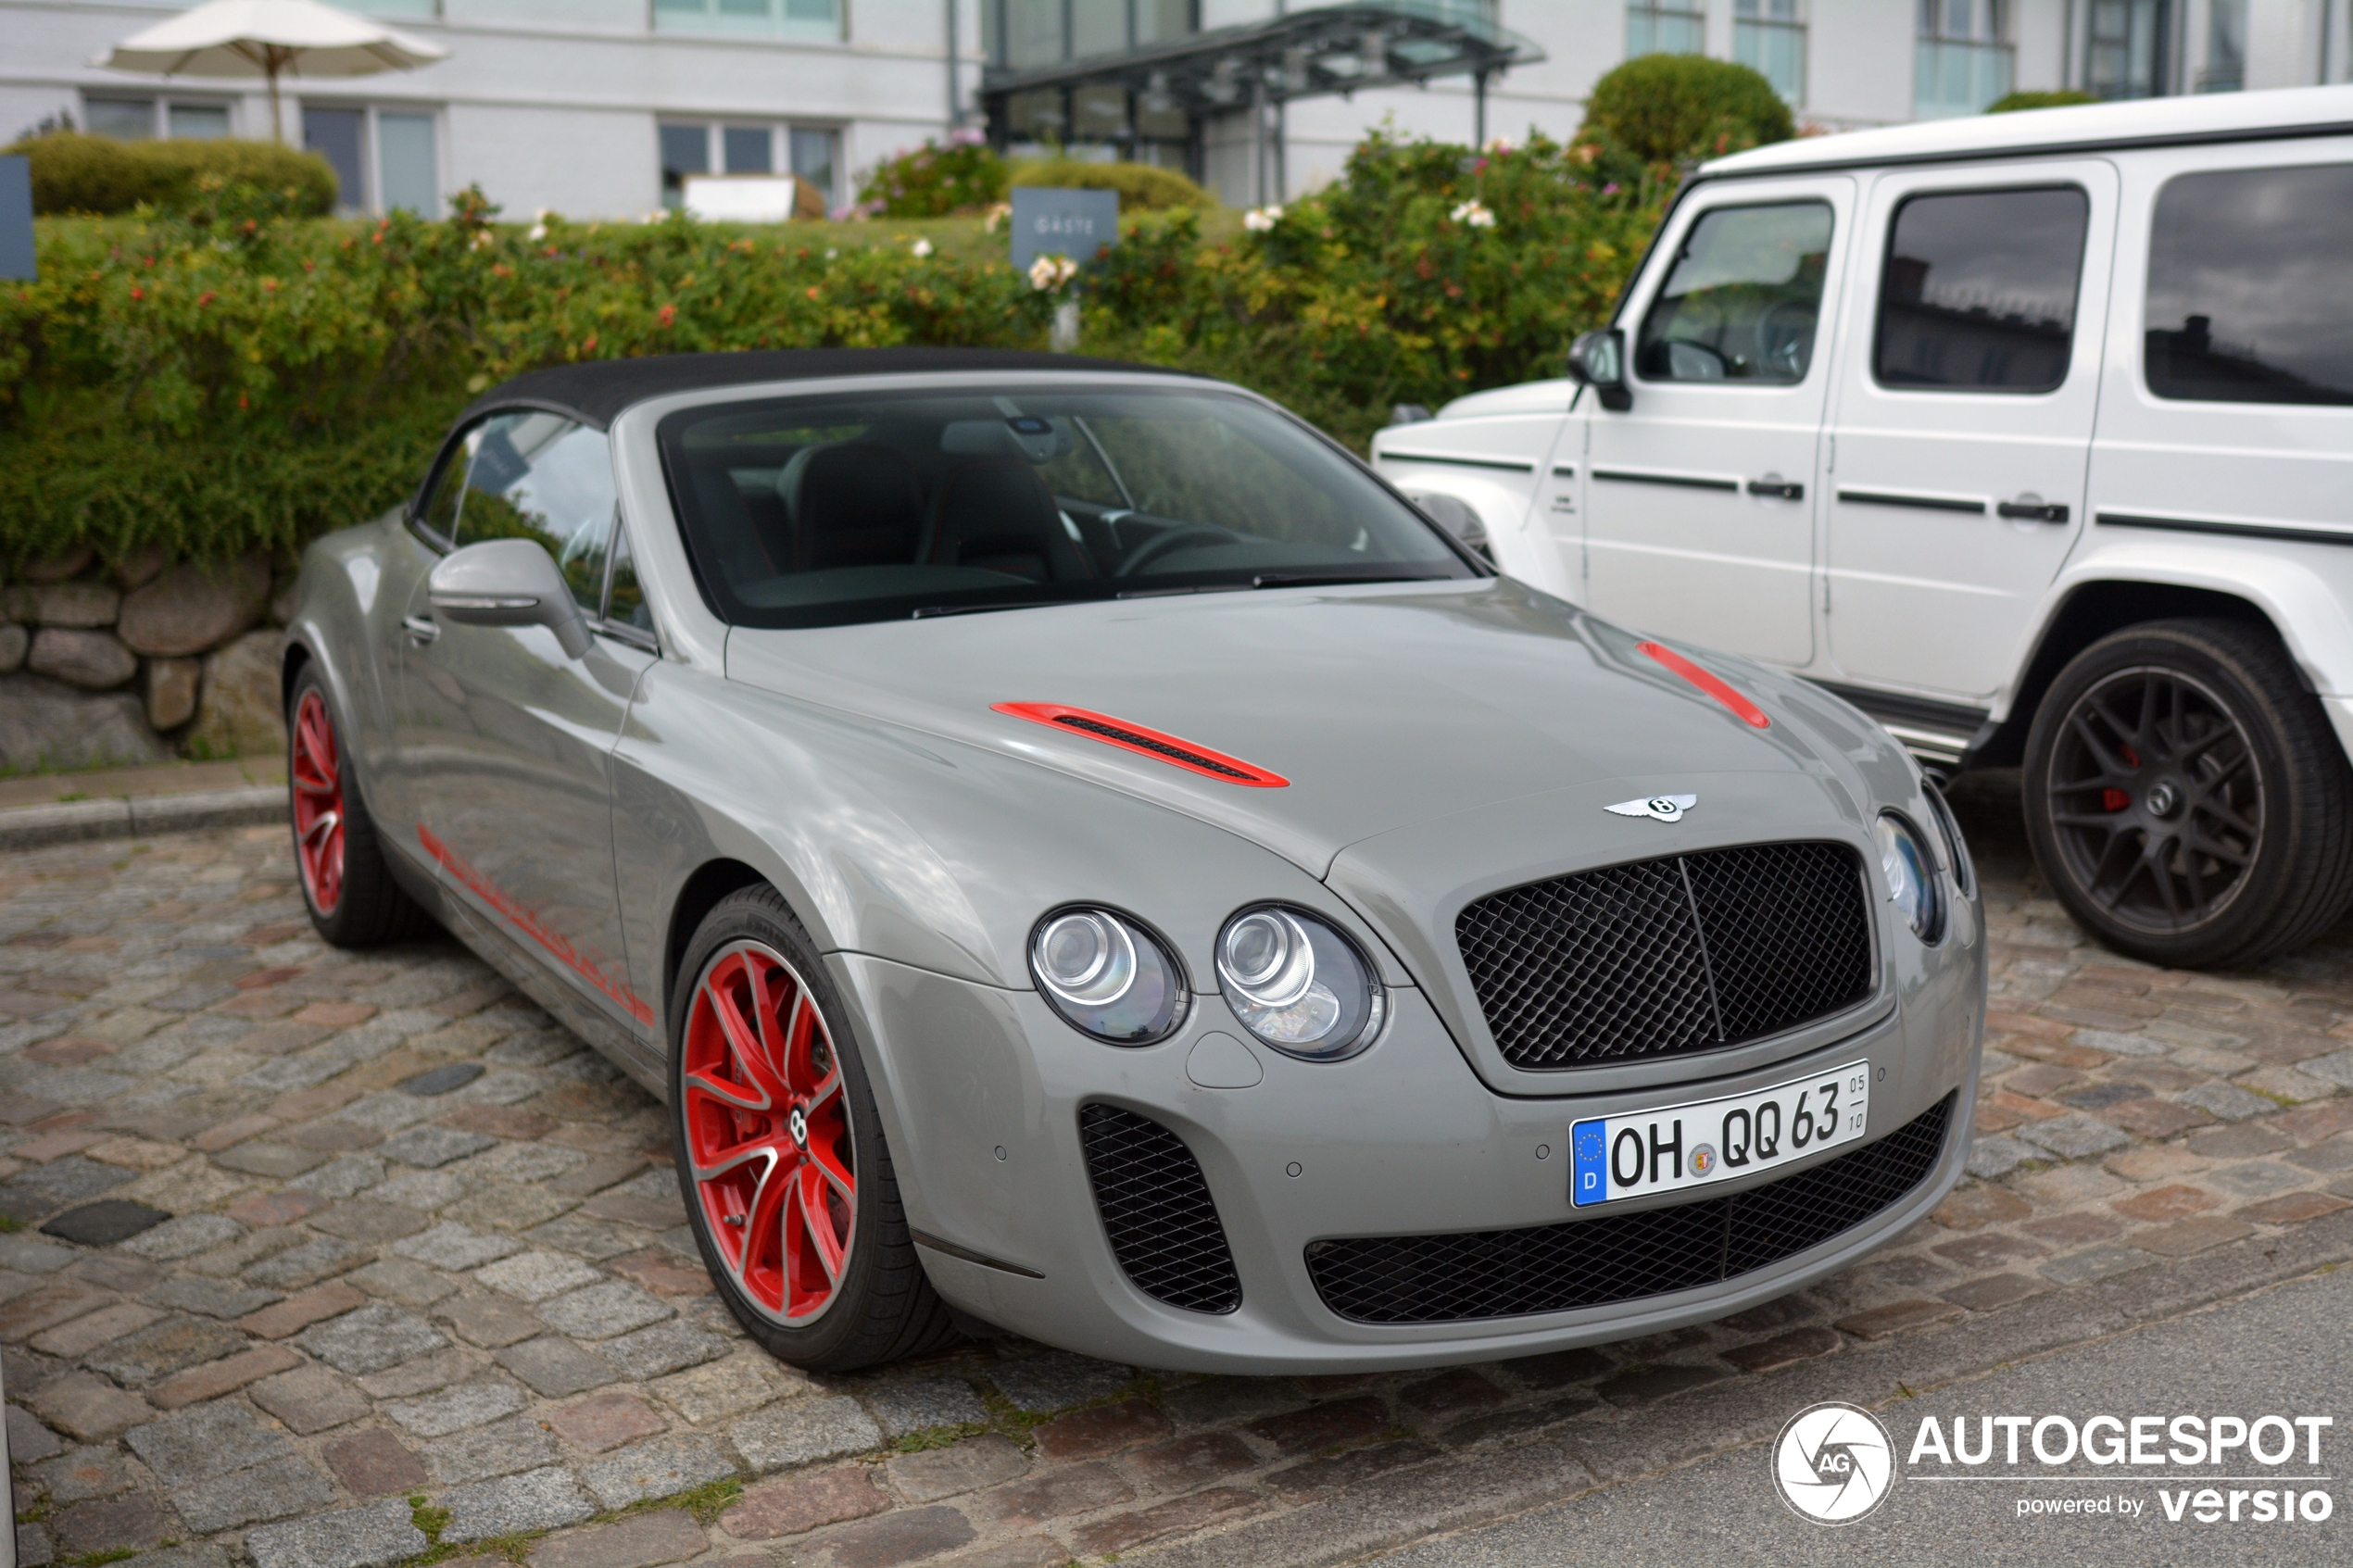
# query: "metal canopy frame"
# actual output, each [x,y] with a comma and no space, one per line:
[1332,49]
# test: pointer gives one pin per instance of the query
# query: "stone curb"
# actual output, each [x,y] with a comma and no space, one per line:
[1468,1489]
[29,827]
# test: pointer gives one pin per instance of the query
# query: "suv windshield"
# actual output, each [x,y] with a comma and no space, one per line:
[874,505]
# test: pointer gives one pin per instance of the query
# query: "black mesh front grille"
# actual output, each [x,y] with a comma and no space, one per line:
[1157,1210]
[1622,1257]
[1686,953]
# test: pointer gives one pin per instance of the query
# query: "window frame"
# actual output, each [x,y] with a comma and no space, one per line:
[159,106]
[1887,254]
[371,174]
[1823,306]
[1763,27]
[714,131]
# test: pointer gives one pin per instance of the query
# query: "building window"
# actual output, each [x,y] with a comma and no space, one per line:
[816,155]
[2225,47]
[1022,34]
[1963,61]
[1769,36]
[819,20]
[688,147]
[1665,27]
[2127,55]
[384,160]
[142,119]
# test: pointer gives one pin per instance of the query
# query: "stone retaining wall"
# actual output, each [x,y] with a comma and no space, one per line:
[140,663]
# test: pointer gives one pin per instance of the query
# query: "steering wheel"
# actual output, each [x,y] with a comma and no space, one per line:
[1785,335]
[1178,538]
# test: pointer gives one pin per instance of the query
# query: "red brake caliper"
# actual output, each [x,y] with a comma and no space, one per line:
[768,1133]
[318,803]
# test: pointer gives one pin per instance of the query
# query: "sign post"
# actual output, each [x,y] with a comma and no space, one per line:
[1051,221]
[15,219]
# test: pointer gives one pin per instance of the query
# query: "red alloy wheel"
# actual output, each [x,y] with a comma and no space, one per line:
[318,803]
[768,1133]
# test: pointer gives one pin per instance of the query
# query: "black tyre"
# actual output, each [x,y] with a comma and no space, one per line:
[2186,796]
[353,900]
[781,1159]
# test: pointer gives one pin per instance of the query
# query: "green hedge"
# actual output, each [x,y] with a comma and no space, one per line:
[2065,98]
[1679,108]
[73,173]
[215,387]
[1141,187]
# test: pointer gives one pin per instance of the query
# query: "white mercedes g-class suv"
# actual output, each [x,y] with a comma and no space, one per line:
[2032,436]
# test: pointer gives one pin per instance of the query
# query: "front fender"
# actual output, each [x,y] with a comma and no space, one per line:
[910,847]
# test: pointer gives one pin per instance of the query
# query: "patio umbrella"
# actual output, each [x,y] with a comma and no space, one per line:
[243,39]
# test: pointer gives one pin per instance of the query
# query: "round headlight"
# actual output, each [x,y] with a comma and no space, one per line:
[1108,976]
[1298,984]
[1909,870]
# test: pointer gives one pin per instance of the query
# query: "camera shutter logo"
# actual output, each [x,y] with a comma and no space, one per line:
[1833,1463]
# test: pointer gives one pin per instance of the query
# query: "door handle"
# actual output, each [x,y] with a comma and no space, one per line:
[2035,511]
[422,629]
[1785,489]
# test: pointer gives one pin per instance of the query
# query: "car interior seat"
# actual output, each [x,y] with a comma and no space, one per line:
[853,503]
[995,514]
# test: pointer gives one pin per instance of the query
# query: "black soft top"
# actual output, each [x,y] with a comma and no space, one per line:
[599,389]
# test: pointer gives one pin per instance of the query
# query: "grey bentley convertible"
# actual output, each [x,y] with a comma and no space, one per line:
[1073,848]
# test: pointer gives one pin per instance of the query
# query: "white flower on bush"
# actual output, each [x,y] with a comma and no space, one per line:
[483,239]
[539,223]
[997,216]
[1474,214]
[1258,220]
[922,248]
[1052,273]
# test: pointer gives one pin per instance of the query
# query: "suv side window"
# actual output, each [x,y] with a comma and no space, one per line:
[540,476]
[1742,298]
[2250,291]
[1979,291]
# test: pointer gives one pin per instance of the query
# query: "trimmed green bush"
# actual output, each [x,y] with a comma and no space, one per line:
[1675,109]
[74,173]
[1141,187]
[933,180]
[2065,98]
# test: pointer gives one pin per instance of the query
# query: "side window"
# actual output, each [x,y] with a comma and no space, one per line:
[1743,299]
[625,605]
[541,476]
[1979,291]
[2250,293]
[448,486]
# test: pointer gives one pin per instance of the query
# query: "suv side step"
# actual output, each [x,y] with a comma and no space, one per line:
[1939,734]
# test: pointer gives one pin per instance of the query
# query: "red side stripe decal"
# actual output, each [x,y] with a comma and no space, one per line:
[1748,712]
[1145,741]
[532,926]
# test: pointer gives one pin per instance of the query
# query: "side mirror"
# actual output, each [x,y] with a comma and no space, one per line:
[1598,359]
[1456,518]
[508,582]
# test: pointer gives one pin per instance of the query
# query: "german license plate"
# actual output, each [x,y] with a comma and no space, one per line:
[1714,1140]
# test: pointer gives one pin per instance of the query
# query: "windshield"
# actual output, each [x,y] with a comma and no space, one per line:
[875,505]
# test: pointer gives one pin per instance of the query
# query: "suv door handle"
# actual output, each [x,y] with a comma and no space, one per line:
[422,629]
[1785,489]
[2036,512]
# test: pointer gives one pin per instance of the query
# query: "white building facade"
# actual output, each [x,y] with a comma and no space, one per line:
[601,108]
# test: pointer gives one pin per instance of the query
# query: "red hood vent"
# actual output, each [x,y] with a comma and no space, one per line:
[1146,743]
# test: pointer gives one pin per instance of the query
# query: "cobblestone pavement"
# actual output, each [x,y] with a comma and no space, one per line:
[425,1285]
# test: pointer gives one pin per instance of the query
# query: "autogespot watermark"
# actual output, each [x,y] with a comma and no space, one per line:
[1835,1463]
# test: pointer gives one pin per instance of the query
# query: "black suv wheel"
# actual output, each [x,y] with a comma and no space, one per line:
[2187,797]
